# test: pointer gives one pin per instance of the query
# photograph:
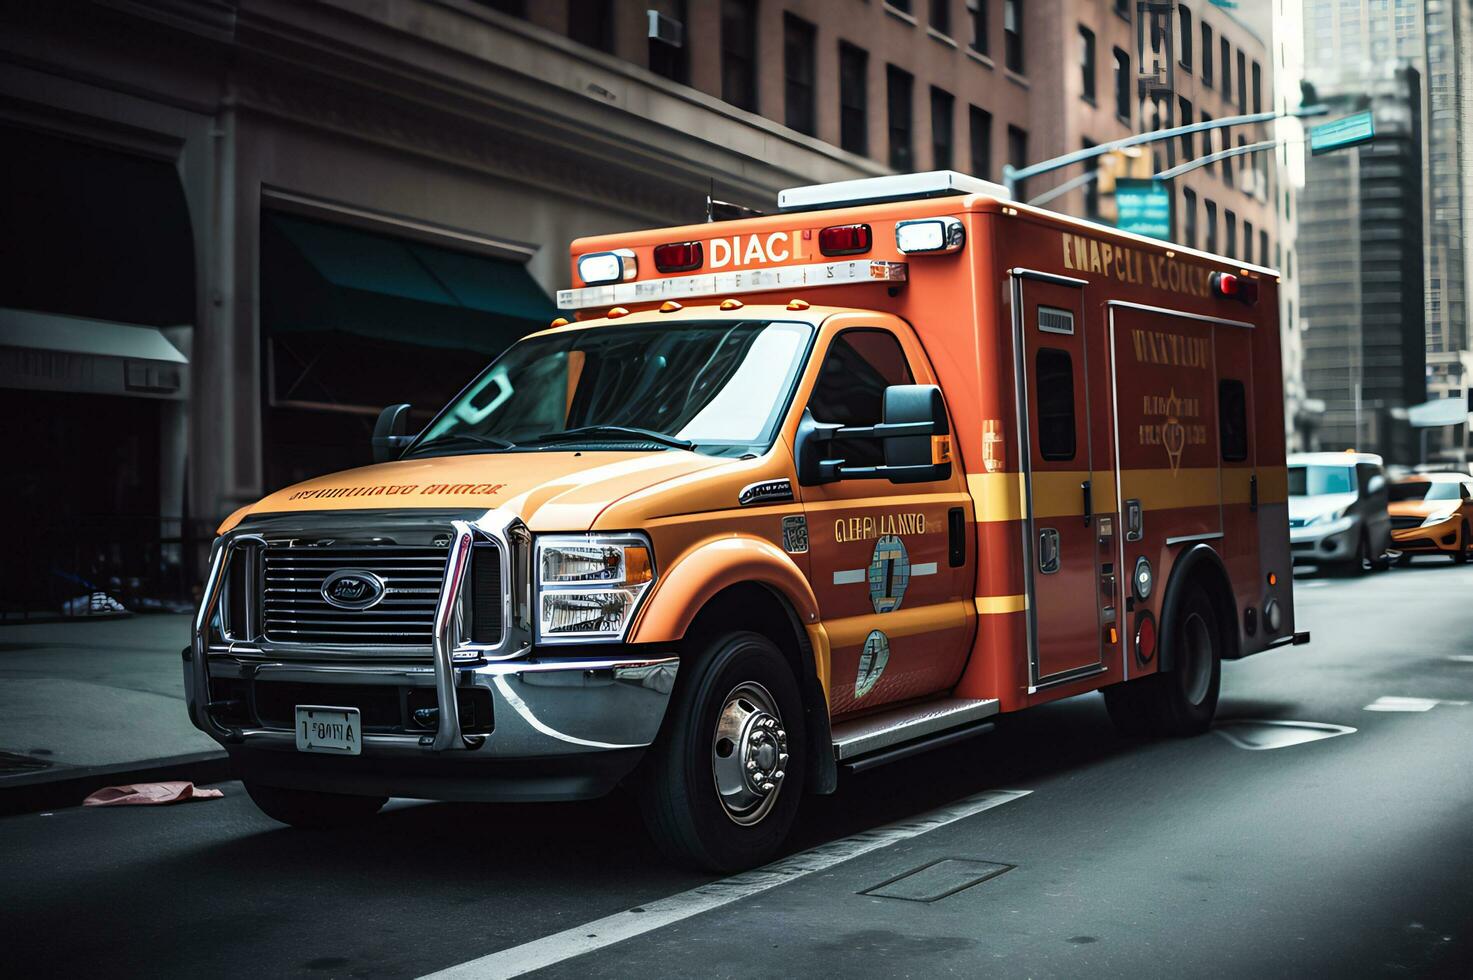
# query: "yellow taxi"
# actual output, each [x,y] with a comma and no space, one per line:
[1431,514]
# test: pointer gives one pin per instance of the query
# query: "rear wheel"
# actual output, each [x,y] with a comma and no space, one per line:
[308,809]
[1183,700]
[721,787]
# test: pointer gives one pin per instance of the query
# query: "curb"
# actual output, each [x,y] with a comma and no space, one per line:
[70,786]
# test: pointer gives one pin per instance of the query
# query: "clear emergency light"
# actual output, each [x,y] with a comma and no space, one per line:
[893,187]
[597,268]
[930,235]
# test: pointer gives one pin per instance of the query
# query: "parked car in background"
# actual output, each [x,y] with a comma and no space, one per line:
[1431,514]
[1337,511]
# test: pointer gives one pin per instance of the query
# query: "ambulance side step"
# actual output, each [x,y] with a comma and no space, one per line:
[891,735]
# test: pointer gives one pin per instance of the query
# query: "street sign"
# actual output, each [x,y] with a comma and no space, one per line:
[1349,131]
[1143,207]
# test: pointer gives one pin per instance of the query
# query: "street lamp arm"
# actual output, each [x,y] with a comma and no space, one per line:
[1011,176]
[1214,157]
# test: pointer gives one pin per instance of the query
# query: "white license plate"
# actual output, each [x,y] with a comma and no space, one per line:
[324,729]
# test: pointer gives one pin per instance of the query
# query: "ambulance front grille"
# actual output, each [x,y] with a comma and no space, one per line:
[294,609]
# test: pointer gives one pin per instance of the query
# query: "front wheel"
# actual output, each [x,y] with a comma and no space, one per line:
[721,787]
[308,809]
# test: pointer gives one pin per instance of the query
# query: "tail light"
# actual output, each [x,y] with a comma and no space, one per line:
[1226,284]
[1145,637]
[845,239]
[679,256]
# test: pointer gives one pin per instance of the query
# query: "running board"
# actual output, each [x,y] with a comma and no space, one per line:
[899,725]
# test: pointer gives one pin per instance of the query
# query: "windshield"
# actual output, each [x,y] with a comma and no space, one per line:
[718,388]
[1311,481]
[1424,490]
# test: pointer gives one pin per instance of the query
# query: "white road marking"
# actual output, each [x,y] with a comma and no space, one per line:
[1407,704]
[616,928]
[850,576]
[924,568]
[1462,658]
[1313,584]
[1258,735]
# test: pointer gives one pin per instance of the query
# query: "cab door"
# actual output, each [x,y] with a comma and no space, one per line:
[888,562]
[1063,506]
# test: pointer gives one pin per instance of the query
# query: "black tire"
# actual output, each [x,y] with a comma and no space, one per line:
[1182,701]
[1403,560]
[1362,557]
[1461,555]
[308,809]
[686,814]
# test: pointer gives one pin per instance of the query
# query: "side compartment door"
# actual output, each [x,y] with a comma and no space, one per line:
[1054,413]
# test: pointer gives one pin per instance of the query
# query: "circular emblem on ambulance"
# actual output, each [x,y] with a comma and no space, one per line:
[352,588]
[888,574]
[872,661]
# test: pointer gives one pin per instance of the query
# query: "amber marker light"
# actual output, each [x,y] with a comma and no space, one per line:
[798,304]
[731,304]
[637,565]
[670,306]
[1273,578]
[617,312]
[561,321]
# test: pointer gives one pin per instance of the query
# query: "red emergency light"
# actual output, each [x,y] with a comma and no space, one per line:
[845,239]
[1226,284]
[679,256]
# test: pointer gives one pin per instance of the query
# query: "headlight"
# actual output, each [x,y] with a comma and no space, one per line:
[1438,518]
[589,586]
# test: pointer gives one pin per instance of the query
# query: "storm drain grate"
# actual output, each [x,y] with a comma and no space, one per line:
[935,881]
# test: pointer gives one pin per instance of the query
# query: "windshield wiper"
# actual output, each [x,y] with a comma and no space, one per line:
[629,431]
[461,439]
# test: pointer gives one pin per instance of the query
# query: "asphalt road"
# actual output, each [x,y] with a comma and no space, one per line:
[1346,856]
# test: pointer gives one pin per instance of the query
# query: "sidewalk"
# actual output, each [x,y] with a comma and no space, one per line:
[95,702]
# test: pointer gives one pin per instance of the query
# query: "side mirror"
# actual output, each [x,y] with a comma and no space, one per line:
[913,416]
[391,433]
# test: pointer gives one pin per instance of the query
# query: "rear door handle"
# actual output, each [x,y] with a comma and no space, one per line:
[1088,503]
[1048,550]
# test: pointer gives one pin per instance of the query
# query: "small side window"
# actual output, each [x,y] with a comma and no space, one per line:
[1054,372]
[1232,420]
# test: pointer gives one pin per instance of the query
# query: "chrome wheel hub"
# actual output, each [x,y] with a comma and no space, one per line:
[749,753]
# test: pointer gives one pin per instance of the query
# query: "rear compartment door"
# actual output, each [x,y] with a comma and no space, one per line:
[1063,504]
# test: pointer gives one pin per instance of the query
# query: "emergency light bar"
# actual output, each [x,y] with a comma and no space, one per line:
[726,283]
[894,187]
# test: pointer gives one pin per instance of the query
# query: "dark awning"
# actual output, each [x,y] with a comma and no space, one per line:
[344,279]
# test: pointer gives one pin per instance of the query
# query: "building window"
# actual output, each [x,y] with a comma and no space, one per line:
[1012,35]
[1087,63]
[1122,85]
[1018,155]
[941,17]
[1184,106]
[980,121]
[1206,54]
[853,98]
[591,22]
[1227,162]
[977,10]
[1247,241]
[1263,249]
[1242,82]
[1122,7]
[739,53]
[668,56]
[1211,220]
[798,61]
[1257,87]
[1230,233]
[1225,67]
[1189,217]
[898,84]
[942,106]
[1207,141]
[1184,36]
[901,5]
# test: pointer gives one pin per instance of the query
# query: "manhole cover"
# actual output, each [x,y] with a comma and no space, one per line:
[1253,734]
[937,880]
[12,762]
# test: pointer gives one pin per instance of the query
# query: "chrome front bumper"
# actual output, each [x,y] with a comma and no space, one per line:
[542,707]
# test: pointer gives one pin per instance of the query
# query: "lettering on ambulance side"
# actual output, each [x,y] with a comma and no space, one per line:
[744,250]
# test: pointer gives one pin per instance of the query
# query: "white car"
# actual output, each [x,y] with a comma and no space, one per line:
[1337,510]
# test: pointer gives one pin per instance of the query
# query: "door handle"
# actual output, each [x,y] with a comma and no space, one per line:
[1253,492]
[1088,503]
[1048,550]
